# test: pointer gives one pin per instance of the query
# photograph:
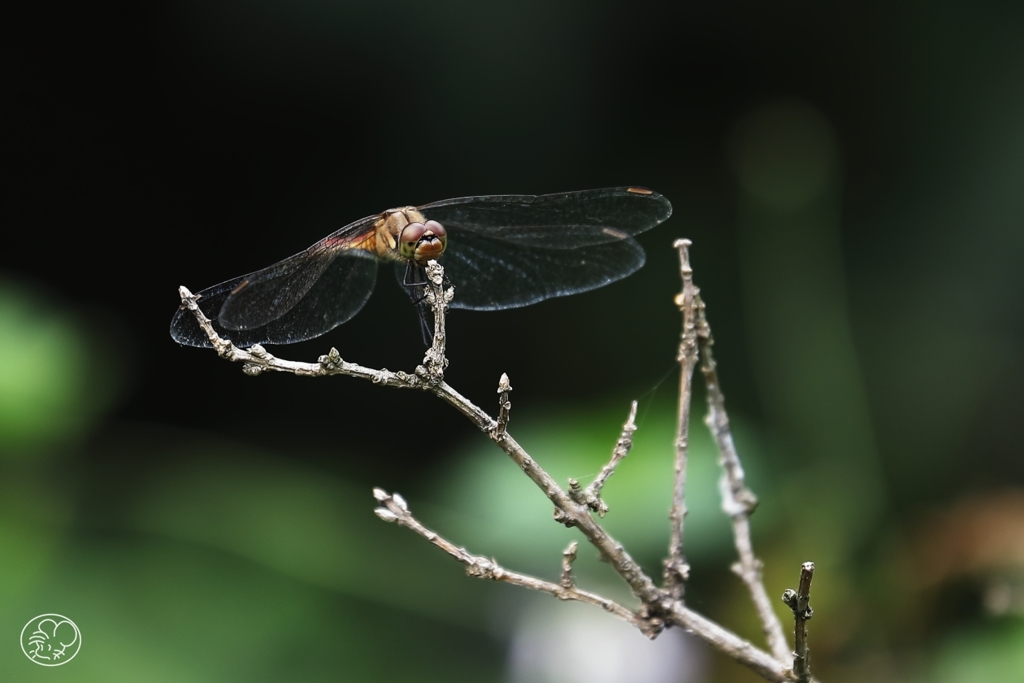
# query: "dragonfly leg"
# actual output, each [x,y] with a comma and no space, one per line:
[415,283]
[426,324]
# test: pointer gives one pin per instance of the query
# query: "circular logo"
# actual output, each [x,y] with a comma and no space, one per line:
[51,640]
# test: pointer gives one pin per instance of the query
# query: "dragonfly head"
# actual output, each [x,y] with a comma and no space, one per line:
[421,242]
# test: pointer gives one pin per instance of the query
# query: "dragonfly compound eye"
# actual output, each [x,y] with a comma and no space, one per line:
[410,237]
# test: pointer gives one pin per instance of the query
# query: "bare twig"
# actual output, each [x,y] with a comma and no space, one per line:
[438,298]
[738,501]
[658,608]
[504,406]
[677,571]
[591,496]
[568,512]
[395,509]
[800,602]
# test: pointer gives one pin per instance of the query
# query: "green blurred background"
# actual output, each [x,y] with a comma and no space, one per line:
[851,175]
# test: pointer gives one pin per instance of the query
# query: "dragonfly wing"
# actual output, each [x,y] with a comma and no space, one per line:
[296,299]
[566,220]
[290,302]
[506,251]
[488,274]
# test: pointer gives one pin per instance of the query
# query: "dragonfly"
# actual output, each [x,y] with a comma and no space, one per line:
[498,251]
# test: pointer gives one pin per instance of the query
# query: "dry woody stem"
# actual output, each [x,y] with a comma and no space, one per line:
[677,571]
[395,509]
[504,406]
[800,602]
[658,607]
[738,501]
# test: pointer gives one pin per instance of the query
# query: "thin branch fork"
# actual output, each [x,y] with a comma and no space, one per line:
[257,360]
[738,501]
[394,509]
[591,496]
[658,607]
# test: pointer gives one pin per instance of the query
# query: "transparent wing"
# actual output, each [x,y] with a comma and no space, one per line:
[566,220]
[488,276]
[299,298]
[338,293]
[506,251]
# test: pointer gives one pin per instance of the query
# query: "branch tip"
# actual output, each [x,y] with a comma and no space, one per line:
[504,407]
[187,297]
[799,601]
[683,246]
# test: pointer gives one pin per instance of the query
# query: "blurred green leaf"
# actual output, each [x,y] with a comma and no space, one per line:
[992,652]
[52,380]
[306,525]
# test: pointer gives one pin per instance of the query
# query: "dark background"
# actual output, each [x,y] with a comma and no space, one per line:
[852,177]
